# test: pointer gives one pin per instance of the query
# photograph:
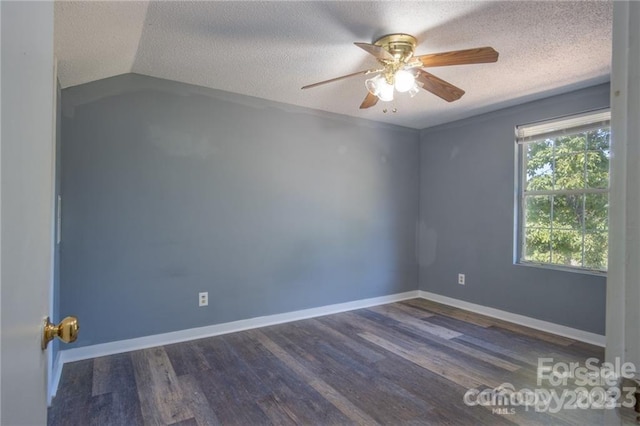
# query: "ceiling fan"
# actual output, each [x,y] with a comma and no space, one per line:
[401,71]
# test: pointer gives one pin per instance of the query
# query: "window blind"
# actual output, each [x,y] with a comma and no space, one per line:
[551,129]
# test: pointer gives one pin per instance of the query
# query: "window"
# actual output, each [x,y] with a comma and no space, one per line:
[563,192]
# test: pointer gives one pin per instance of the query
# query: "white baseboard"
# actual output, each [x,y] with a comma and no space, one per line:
[549,327]
[103,349]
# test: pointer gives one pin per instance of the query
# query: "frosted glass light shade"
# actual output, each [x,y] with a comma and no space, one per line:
[379,87]
[371,85]
[404,81]
[385,91]
[414,89]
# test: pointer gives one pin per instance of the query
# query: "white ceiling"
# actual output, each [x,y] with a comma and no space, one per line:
[270,49]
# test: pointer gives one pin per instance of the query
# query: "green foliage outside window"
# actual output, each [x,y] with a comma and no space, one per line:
[565,200]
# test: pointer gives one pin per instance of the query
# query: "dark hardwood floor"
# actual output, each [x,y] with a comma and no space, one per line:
[404,363]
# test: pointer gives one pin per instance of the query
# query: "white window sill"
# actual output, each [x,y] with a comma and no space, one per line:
[562,268]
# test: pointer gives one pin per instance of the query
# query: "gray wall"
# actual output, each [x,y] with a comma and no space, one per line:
[171,189]
[467,211]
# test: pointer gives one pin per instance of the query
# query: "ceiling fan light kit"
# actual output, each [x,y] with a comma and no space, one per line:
[380,87]
[404,80]
[402,72]
[395,74]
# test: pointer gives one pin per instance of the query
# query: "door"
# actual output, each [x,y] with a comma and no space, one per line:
[26,206]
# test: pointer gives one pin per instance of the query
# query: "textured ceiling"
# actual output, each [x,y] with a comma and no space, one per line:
[270,49]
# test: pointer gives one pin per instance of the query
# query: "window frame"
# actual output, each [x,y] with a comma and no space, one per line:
[521,141]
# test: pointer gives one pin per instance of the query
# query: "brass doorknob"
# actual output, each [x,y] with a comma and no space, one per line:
[67,331]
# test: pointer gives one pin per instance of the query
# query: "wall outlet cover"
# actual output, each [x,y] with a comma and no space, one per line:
[203,298]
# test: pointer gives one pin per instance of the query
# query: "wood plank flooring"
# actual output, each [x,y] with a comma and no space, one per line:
[405,363]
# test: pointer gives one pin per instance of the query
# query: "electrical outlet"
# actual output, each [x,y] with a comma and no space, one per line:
[461,279]
[203,298]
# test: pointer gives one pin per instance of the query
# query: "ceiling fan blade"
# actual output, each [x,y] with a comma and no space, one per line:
[439,87]
[376,51]
[309,86]
[479,55]
[369,101]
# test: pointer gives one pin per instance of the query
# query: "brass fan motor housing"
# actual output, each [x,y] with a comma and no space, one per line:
[401,46]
